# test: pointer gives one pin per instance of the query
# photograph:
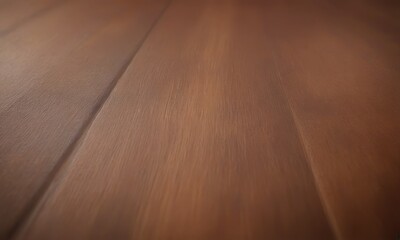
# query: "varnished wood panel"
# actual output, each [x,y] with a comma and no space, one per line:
[30,51]
[341,74]
[196,141]
[59,69]
[236,120]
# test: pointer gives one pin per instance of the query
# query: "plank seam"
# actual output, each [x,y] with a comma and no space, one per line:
[34,204]
[327,211]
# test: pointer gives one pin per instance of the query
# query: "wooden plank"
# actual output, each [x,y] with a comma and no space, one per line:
[29,52]
[195,142]
[40,125]
[342,79]
[15,13]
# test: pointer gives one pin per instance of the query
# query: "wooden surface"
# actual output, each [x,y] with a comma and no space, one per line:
[17,12]
[342,82]
[195,119]
[52,87]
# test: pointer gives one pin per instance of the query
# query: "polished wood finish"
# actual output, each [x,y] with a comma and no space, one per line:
[52,86]
[200,119]
[342,82]
[195,142]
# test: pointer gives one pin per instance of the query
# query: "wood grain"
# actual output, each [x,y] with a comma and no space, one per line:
[30,51]
[341,75]
[17,12]
[195,142]
[199,119]
[50,103]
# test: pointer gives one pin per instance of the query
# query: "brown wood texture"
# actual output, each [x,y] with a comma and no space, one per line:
[195,142]
[341,77]
[32,49]
[15,13]
[52,82]
[200,119]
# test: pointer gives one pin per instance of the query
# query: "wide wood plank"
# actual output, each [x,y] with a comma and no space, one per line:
[341,74]
[196,141]
[29,52]
[17,12]
[51,102]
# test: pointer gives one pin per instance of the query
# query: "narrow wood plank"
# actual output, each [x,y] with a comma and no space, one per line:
[195,142]
[36,130]
[342,78]
[15,13]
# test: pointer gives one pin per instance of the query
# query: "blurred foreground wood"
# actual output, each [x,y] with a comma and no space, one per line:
[55,72]
[198,119]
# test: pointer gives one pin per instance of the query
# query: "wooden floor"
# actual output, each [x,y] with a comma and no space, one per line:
[199,119]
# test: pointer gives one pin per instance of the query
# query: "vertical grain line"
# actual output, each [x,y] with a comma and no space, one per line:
[327,211]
